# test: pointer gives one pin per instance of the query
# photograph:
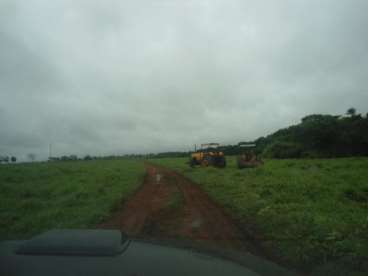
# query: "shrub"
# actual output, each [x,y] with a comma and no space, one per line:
[283,150]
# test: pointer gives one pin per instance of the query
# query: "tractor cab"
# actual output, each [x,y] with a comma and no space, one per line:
[208,155]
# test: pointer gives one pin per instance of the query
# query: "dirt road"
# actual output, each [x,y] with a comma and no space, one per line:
[168,206]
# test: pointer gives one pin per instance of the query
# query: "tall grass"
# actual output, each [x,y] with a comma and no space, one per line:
[40,196]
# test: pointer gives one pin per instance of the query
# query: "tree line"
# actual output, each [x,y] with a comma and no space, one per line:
[8,159]
[316,136]
[88,157]
[319,135]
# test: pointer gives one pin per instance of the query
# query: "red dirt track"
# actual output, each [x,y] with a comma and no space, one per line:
[191,214]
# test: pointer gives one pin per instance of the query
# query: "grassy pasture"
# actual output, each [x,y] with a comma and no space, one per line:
[40,196]
[312,213]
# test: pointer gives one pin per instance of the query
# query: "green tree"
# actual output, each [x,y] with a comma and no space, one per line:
[319,135]
[351,112]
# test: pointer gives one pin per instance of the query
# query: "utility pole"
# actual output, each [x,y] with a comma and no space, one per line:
[50,154]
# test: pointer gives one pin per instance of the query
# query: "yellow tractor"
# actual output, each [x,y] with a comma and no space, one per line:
[208,155]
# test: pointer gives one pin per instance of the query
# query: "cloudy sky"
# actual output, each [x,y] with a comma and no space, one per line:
[115,77]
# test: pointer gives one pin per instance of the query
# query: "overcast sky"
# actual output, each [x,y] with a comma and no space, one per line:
[116,77]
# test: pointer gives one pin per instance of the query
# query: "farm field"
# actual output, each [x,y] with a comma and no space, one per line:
[311,213]
[40,196]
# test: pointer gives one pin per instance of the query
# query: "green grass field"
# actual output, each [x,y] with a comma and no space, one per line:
[41,196]
[311,213]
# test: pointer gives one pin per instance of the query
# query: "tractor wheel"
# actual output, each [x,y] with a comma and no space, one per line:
[240,162]
[208,161]
[205,163]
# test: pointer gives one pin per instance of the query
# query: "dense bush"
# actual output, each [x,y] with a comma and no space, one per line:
[283,150]
[316,136]
[319,136]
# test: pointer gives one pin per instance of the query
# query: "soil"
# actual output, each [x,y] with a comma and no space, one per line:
[169,206]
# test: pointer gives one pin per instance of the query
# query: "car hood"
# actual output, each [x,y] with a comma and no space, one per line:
[134,257]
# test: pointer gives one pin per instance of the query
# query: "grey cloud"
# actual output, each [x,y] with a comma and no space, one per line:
[104,77]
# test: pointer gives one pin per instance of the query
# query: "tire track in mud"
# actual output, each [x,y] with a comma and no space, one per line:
[169,206]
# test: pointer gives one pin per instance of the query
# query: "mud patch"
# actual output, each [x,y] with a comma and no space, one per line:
[169,206]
